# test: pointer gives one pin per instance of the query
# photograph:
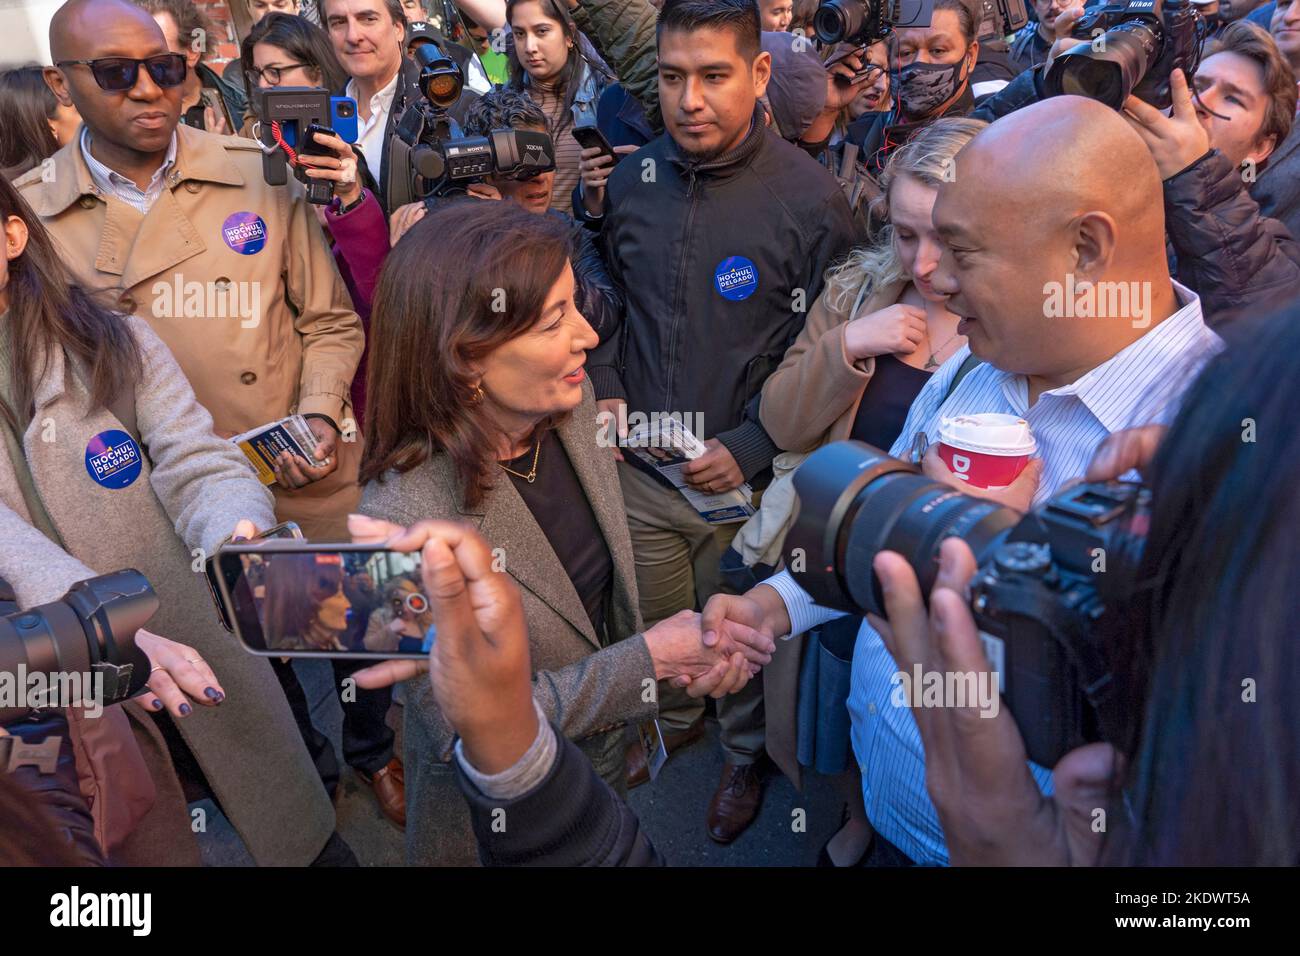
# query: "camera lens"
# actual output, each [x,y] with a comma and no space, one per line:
[345,111]
[1108,69]
[855,501]
[837,19]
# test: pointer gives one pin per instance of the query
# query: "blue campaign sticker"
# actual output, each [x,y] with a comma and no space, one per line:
[736,278]
[113,459]
[244,232]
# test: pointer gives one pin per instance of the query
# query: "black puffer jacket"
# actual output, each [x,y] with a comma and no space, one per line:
[762,221]
[1238,261]
[598,298]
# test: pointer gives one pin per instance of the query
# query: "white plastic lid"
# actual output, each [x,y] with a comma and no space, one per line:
[989,433]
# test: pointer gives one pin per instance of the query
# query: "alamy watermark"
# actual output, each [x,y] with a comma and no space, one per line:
[213,299]
[39,690]
[1098,300]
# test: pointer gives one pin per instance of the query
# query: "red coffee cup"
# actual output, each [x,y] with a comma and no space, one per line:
[987,450]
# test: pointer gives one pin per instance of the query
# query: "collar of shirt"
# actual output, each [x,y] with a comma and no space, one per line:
[1144,372]
[380,103]
[113,183]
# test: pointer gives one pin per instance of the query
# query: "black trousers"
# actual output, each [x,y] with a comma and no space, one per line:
[367,738]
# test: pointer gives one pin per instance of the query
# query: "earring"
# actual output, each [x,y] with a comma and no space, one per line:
[477,395]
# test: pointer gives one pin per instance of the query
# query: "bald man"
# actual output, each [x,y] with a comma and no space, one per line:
[177,226]
[1074,325]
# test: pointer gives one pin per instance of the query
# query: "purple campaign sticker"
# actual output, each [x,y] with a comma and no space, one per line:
[736,278]
[113,459]
[245,232]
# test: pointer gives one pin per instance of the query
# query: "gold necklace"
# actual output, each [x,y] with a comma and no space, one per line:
[532,474]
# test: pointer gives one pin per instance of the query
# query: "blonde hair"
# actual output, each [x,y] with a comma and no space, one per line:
[928,158]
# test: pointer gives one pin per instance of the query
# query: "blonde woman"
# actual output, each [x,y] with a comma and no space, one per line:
[872,340]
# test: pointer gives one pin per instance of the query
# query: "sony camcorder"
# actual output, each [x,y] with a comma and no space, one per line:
[429,156]
[1131,48]
[90,630]
[1044,579]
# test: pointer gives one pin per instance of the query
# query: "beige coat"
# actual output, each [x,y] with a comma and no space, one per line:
[299,352]
[191,490]
[589,692]
[809,401]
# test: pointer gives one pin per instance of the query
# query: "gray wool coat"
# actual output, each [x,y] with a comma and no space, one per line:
[191,490]
[591,693]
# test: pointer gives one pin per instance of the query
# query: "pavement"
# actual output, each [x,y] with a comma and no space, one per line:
[790,829]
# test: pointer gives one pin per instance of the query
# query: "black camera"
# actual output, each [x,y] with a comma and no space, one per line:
[429,156]
[1044,579]
[1133,48]
[863,22]
[90,630]
[288,119]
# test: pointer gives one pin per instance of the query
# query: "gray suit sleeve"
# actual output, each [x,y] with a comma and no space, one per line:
[599,692]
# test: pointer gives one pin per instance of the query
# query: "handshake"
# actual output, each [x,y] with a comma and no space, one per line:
[712,654]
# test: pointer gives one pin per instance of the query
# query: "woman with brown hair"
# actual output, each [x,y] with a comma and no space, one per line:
[480,413]
[35,124]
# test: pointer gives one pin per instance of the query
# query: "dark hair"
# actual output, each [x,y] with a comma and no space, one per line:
[1215,776]
[394,8]
[301,39]
[27,104]
[739,16]
[465,280]
[501,108]
[296,584]
[965,17]
[571,76]
[1246,39]
[189,18]
[47,311]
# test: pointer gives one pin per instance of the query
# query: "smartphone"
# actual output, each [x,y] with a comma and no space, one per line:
[288,530]
[590,136]
[296,599]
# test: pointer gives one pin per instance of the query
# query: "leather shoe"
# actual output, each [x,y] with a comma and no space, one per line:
[389,784]
[736,802]
[638,771]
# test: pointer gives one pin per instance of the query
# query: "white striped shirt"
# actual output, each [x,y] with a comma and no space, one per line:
[1140,385]
[110,182]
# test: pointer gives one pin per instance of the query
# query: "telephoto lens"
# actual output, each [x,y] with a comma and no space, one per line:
[838,20]
[855,501]
[1109,69]
[90,629]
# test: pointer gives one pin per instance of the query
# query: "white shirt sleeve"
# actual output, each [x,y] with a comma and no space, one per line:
[804,614]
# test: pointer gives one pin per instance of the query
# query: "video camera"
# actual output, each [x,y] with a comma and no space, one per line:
[1133,48]
[429,156]
[863,22]
[91,629]
[998,19]
[288,116]
[1038,595]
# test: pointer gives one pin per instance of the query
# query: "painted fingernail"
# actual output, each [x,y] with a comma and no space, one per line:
[185,710]
[211,693]
[156,704]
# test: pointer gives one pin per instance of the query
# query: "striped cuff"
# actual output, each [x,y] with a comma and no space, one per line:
[804,614]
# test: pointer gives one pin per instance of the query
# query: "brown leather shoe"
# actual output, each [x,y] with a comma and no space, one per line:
[638,772]
[389,784]
[736,802]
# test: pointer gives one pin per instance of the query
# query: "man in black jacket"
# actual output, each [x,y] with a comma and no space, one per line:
[718,232]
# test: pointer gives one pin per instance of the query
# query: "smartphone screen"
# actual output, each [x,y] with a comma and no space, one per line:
[287,530]
[299,600]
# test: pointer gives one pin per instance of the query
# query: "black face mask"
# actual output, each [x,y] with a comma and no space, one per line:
[924,87]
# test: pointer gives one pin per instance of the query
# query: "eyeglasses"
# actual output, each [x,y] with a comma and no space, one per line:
[272,73]
[117,74]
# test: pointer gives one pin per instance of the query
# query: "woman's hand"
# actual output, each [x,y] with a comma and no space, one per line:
[479,664]
[175,671]
[894,330]
[976,770]
[678,649]
[339,168]
[595,165]
[401,221]
[293,472]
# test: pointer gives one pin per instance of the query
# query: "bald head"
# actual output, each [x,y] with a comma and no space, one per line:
[1058,197]
[80,27]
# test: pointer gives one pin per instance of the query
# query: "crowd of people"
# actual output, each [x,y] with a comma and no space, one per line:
[782,243]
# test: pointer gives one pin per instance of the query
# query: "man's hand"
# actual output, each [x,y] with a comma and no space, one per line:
[1062,28]
[841,90]
[678,649]
[896,329]
[401,221]
[715,471]
[1125,451]
[483,191]
[293,472]
[595,165]
[1176,141]
[479,664]
[611,418]
[760,611]
[1018,495]
[975,762]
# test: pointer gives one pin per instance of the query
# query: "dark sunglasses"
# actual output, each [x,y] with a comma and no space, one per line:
[117,74]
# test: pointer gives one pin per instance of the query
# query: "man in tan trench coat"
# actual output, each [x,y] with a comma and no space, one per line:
[178,227]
